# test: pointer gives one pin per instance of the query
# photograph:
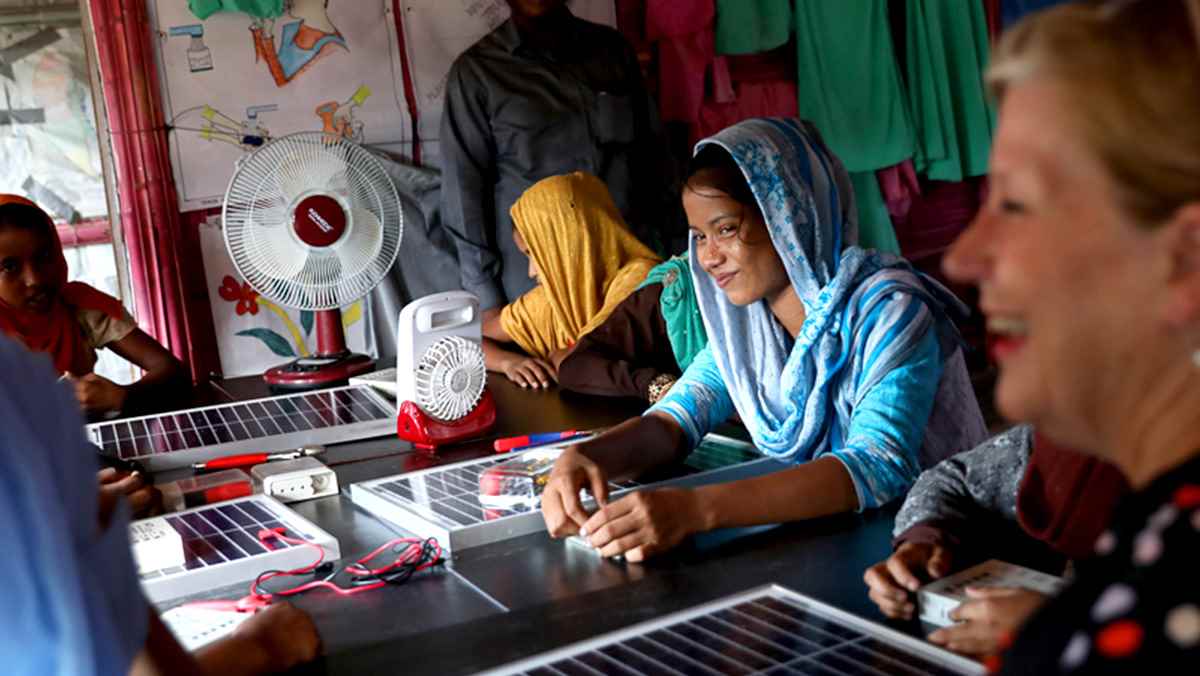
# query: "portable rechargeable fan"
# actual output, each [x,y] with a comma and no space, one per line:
[440,376]
[313,222]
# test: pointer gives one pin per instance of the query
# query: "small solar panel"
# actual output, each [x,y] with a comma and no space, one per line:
[179,438]
[770,630]
[443,502]
[222,546]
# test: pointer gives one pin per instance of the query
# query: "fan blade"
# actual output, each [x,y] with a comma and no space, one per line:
[307,169]
[358,250]
[274,250]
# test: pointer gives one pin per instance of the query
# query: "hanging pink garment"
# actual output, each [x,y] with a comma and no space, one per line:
[763,85]
[938,215]
[754,99]
[683,31]
[773,66]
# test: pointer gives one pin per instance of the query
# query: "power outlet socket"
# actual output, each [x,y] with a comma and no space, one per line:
[294,480]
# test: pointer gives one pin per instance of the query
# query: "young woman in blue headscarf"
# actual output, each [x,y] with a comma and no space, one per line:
[840,361]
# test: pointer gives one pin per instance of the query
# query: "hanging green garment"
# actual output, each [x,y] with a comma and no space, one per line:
[259,9]
[681,312]
[947,55]
[875,229]
[752,26]
[849,82]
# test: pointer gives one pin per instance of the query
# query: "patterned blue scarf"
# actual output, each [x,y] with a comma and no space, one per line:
[795,396]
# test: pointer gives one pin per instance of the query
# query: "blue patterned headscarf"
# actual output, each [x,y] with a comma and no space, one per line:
[795,396]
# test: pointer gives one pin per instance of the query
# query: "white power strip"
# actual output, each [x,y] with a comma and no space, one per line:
[384,380]
[294,480]
[937,599]
[195,628]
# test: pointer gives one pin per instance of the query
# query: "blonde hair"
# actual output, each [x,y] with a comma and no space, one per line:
[1133,69]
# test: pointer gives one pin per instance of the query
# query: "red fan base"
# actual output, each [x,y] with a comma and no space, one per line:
[333,364]
[426,433]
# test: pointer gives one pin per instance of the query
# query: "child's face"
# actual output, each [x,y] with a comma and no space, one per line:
[28,279]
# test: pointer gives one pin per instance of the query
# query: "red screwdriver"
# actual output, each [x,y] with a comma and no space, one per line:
[249,459]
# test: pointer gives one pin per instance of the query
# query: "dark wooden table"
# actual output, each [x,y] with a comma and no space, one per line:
[508,600]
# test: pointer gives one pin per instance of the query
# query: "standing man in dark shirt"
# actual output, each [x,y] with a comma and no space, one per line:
[544,94]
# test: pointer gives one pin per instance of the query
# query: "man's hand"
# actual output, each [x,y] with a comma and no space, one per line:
[892,582]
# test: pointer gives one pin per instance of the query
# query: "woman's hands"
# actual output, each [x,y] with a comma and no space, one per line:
[644,523]
[528,371]
[891,583]
[638,525]
[985,622]
[561,507]
[988,621]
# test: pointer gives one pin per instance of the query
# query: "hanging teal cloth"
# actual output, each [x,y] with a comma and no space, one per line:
[259,9]
[752,26]
[947,55]
[849,82]
[685,326]
[875,229]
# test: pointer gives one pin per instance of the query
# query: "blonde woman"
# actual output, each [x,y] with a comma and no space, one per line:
[1087,256]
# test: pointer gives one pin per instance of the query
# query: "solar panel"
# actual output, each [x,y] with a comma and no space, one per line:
[766,630]
[221,546]
[179,438]
[443,502]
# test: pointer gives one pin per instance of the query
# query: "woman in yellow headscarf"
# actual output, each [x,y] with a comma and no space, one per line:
[585,261]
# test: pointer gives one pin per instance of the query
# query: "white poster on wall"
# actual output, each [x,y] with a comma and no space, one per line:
[437,31]
[232,80]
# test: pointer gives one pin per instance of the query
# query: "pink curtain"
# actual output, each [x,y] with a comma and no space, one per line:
[149,212]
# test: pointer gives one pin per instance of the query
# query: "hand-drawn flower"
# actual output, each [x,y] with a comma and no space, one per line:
[245,297]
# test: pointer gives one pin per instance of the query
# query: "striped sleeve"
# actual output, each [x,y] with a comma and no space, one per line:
[887,426]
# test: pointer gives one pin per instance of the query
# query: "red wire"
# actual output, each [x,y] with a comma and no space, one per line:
[256,600]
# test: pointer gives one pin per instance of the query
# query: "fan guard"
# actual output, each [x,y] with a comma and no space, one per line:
[312,221]
[450,378]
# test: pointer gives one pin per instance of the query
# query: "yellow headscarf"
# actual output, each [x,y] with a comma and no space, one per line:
[587,259]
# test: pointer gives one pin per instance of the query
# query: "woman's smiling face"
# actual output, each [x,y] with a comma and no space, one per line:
[732,243]
[1066,279]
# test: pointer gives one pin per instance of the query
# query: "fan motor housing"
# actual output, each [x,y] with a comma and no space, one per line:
[320,220]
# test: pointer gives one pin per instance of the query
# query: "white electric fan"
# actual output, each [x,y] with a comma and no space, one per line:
[440,374]
[312,221]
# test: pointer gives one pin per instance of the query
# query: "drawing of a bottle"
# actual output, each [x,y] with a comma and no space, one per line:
[198,54]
